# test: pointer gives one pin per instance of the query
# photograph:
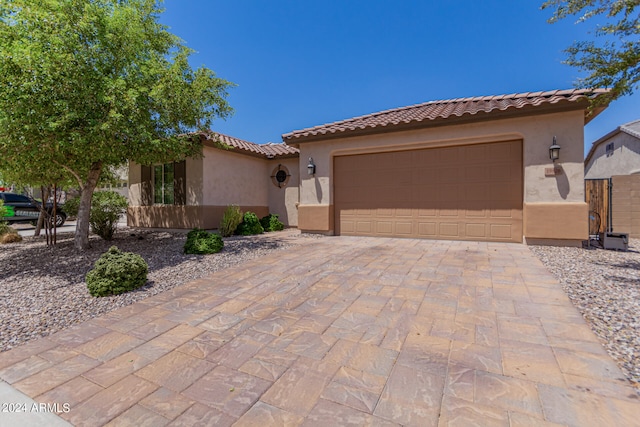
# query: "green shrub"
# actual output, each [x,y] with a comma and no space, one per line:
[231,218]
[106,209]
[250,225]
[116,272]
[72,205]
[271,223]
[201,242]
[4,225]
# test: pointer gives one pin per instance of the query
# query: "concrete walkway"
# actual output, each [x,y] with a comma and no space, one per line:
[339,331]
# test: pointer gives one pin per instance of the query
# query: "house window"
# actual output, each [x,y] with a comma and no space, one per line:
[610,149]
[163,182]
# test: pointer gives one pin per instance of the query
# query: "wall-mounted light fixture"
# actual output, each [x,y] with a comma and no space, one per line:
[311,167]
[554,150]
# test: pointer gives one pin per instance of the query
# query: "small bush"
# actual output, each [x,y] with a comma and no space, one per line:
[271,223]
[231,218]
[250,225]
[71,206]
[106,209]
[116,272]
[4,228]
[201,242]
[11,236]
[4,225]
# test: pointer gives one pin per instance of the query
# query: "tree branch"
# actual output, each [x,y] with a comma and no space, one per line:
[71,171]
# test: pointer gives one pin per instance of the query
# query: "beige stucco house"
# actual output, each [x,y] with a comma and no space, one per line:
[616,158]
[463,169]
[194,193]
[460,169]
[616,153]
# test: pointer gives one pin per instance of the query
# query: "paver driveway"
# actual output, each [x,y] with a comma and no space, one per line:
[340,331]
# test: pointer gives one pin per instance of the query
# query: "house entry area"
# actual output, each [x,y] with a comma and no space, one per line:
[468,192]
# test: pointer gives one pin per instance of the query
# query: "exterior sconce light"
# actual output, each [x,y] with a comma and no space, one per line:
[311,167]
[554,150]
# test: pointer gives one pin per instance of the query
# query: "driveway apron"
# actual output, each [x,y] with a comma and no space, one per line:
[339,331]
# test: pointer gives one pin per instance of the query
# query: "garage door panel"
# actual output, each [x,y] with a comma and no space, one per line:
[404,213]
[363,226]
[475,213]
[427,229]
[404,228]
[462,193]
[501,231]
[427,212]
[452,193]
[449,229]
[384,227]
[477,230]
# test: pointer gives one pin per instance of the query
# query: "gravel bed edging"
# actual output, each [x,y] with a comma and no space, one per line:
[604,286]
[43,290]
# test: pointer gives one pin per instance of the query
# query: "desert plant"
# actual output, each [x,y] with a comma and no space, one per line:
[250,225]
[4,225]
[10,236]
[271,223]
[106,209]
[231,218]
[201,242]
[116,272]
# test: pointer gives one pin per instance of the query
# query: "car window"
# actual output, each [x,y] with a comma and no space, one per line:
[16,198]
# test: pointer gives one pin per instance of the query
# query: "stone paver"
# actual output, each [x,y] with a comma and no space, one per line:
[338,331]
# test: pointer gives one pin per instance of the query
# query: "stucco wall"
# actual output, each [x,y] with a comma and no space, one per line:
[214,181]
[536,132]
[283,200]
[624,161]
[232,178]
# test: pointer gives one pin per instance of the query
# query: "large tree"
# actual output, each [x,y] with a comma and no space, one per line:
[613,59]
[89,84]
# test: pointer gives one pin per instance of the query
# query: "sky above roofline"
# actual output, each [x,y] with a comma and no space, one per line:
[303,64]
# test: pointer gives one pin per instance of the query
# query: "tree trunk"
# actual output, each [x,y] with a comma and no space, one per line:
[81,238]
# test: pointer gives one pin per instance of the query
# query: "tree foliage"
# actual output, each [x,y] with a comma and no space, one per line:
[90,84]
[613,60]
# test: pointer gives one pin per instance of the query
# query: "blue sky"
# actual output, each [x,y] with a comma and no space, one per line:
[302,63]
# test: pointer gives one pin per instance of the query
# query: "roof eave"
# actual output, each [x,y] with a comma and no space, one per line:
[528,110]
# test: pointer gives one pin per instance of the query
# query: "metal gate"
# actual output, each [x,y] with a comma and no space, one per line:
[597,193]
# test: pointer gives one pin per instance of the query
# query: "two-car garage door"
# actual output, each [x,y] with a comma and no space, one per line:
[471,192]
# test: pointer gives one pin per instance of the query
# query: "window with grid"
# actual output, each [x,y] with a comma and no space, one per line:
[163,184]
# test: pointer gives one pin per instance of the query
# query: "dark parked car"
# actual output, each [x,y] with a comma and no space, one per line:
[24,209]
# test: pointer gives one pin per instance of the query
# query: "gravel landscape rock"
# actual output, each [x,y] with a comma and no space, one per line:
[43,289]
[605,287]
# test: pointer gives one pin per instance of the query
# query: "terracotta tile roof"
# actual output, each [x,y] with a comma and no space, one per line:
[269,150]
[435,111]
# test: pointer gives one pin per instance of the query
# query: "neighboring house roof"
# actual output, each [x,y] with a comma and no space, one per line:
[448,111]
[269,150]
[631,128]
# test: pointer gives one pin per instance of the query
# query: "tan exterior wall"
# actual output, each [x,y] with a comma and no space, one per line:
[316,218]
[536,132]
[283,200]
[182,217]
[625,204]
[555,221]
[214,181]
[234,179]
[625,159]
